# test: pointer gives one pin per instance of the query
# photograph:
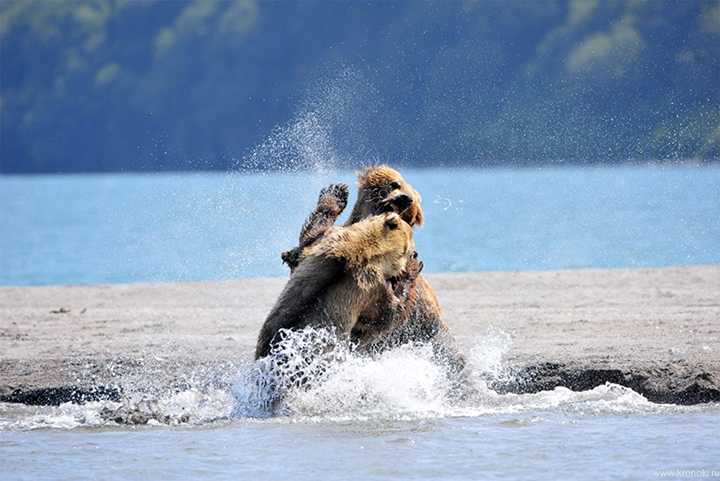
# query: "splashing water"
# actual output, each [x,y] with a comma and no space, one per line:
[186,407]
[329,131]
[401,383]
[327,134]
[309,373]
[300,360]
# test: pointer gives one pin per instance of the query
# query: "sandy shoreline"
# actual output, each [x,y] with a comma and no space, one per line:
[654,330]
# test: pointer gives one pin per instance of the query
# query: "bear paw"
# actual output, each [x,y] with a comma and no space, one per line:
[334,198]
[404,284]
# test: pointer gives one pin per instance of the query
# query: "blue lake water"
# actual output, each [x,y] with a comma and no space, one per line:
[555,435]
[112,228]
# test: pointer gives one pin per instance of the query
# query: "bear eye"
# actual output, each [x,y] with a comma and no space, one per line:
[394,185]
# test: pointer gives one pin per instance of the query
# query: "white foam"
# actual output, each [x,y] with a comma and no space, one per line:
[485,358]
[186,407]
[404,382]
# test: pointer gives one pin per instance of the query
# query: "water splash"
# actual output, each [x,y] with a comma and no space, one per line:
[311,374]
[300,361]
[402,383]
[327,136]
[486,358]
[330,130]
[185,407]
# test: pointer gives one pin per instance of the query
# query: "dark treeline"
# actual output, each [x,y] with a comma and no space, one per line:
[180,85]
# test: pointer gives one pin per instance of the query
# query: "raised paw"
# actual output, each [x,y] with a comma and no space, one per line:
[291,258]
[413,267]
[403,284]
[334,198]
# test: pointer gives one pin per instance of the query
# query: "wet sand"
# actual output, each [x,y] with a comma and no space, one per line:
[656,331]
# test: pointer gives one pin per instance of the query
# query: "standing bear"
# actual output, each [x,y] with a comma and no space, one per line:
[382,189]
[343,274]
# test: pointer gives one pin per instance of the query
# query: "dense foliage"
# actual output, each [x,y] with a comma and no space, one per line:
[166,85]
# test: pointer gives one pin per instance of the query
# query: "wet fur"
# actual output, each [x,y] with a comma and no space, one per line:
[343,273]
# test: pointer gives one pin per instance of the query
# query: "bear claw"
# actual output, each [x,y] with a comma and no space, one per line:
[334,197]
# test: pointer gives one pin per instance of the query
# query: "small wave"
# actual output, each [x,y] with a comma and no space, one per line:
[185,407]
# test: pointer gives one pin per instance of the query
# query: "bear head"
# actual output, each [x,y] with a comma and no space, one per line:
[382,189]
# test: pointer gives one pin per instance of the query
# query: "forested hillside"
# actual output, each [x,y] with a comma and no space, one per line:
[179,85]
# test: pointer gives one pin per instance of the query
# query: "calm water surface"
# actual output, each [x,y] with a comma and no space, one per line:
[538,445]
[198,226]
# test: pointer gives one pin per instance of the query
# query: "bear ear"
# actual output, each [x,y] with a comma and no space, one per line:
[392,221]
[376,176]
[418,215]
[417,210]
[364,175]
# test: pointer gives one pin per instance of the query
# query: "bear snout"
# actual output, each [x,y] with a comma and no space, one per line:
[397,204]
[402,201]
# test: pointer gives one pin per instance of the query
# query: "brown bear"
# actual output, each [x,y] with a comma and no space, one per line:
[346,272]
[382,189]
